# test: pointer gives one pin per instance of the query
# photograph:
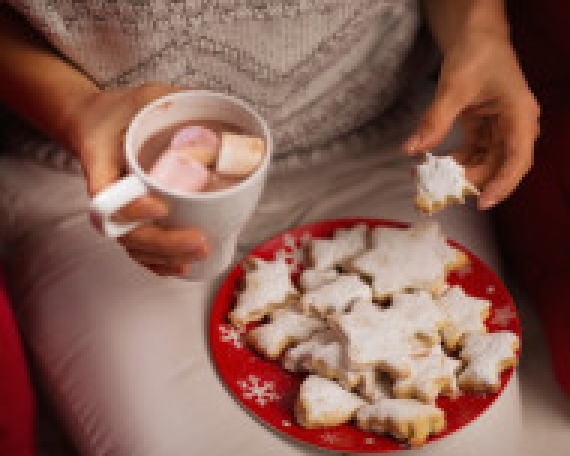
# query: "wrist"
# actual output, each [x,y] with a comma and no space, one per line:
[457,21]
[70,118]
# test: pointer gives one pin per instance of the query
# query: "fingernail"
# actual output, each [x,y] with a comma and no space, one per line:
[412,145]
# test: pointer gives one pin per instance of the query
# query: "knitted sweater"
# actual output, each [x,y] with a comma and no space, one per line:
[317,70]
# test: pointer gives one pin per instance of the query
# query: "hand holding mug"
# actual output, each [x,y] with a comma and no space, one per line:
[181,220]
[97,134]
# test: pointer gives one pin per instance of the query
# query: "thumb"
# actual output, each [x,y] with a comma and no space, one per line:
[102,166]
[437,120]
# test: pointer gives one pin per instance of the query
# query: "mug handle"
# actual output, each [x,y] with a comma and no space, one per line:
[110,200]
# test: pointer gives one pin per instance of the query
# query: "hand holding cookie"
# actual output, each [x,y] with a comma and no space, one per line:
[482,86]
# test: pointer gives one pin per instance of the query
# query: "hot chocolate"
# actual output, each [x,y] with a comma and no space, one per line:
[201,156]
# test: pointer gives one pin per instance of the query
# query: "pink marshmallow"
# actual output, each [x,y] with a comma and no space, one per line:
[195,136]
[176,170]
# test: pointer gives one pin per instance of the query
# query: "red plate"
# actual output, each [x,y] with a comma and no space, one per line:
[268,391]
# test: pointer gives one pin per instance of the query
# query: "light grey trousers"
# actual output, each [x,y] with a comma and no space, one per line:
[124,354]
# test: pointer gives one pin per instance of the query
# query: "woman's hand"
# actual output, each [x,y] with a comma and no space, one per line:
[61,101]
[482,86]
[95,132]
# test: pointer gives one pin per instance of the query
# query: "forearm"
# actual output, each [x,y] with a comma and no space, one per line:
[37,84]
[449,19]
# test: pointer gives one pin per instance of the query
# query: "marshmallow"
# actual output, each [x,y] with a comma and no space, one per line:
[239,155]
[199,143]
[176,170]
[205,156]
[195,136]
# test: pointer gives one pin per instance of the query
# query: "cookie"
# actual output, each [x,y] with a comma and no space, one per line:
[322,354]
[424,316]
[268,286]
[417,258]
[405,419]
[324,403]
[487,356]
[346,243]
[336,296]
[295,356]
[430,376]
[311,279]
[375,338]
[465,314]
[441,181]
[374,386]
[429,234]
[287,327]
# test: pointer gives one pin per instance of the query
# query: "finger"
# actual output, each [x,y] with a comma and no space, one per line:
[162,258]
[157,240]
[144,208]
[521,130]
[437,120]
[480,164]
[158,260]
[165,271]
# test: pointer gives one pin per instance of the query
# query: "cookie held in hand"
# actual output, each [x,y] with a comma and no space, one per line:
[441,181]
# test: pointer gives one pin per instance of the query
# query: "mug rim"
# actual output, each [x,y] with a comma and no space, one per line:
[142,175]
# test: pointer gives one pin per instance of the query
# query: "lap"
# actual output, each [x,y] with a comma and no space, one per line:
[122,352]
[114,341]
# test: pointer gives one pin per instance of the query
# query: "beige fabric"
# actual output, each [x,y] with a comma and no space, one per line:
[125,353]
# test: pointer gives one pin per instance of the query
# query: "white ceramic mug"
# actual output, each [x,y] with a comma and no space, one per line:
[222,214]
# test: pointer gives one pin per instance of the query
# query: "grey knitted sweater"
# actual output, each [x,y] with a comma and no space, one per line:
[318,70]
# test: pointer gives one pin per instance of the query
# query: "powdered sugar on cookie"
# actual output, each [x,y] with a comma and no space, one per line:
[312,279]
[328,253]
[323,403]
[430,376]
[375,338]
[287,327]
[465,313]
[267,287]
[405,419]
[487,355]
[424,316]
[336,296]
[441,180]
[407,259]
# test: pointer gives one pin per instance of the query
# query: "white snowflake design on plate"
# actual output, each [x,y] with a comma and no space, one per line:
[330,438]
[286,423]
[490,289]
[339,440]
[503,316]
[369,441]
[231,335]
[262,392]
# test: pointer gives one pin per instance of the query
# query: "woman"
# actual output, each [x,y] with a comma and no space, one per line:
[122,350]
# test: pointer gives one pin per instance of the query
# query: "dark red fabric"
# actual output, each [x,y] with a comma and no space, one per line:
[534,224]
[17,413]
